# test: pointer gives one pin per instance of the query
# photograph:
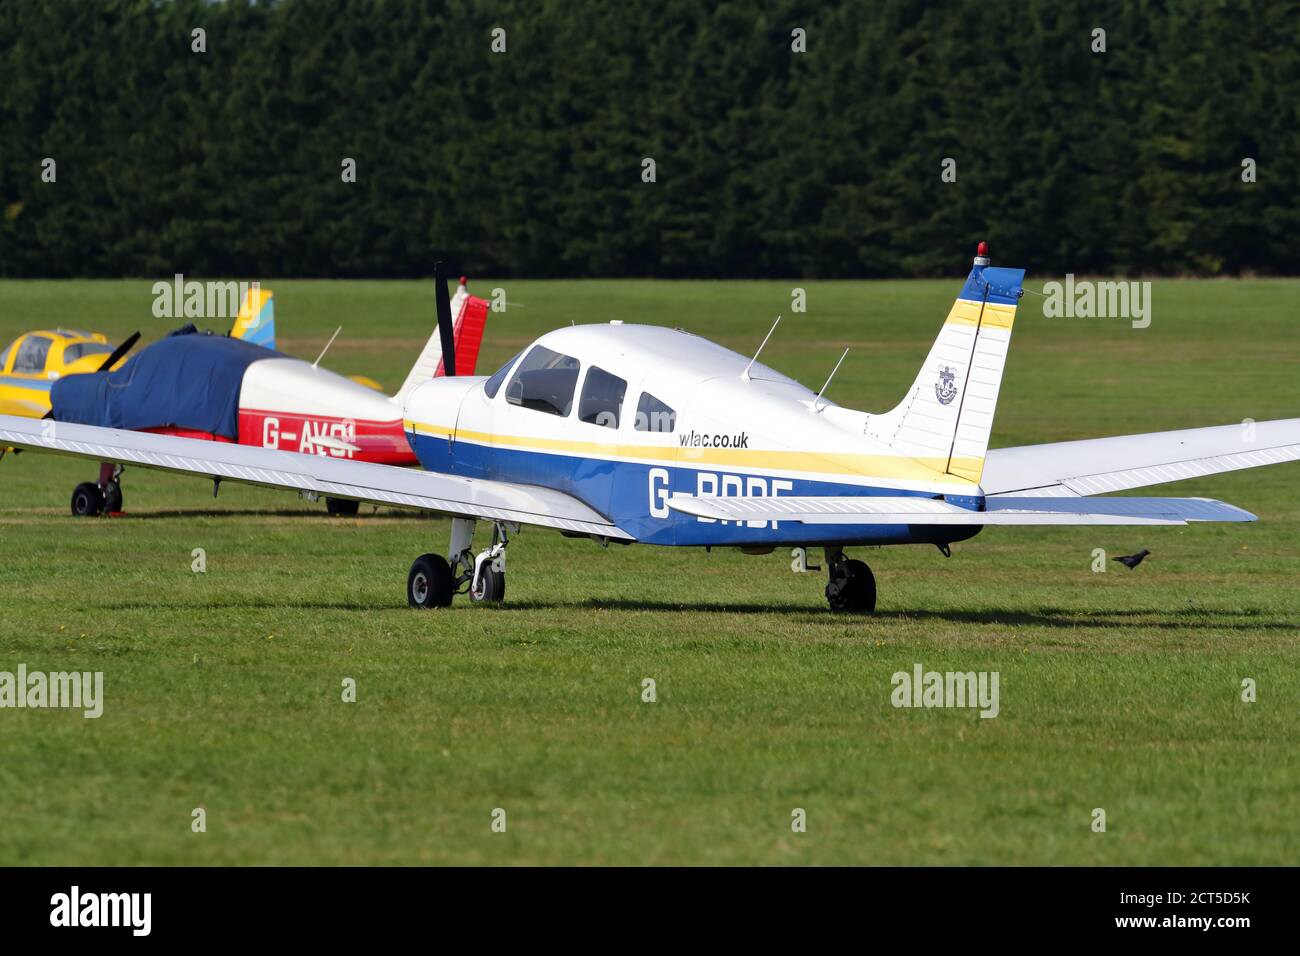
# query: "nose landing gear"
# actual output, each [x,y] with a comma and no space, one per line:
[434,580]
[851,586]
[488,582]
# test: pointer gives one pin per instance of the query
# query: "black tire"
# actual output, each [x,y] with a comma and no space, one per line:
[87,500]
[112,498]
[342,506]
[851,588]
[429,583]
[491,587]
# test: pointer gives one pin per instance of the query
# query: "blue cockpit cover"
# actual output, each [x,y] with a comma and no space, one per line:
[183,381]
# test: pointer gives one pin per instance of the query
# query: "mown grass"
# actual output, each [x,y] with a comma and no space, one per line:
[223,690]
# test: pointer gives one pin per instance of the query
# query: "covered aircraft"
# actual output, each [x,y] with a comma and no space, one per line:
[633,433]
[239,389]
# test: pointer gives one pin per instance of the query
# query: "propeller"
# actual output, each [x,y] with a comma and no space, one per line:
[445,322]
[118,352]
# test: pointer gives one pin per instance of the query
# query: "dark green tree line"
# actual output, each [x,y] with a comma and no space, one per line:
[529,162]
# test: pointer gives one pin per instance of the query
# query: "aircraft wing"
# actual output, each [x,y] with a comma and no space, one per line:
[915,510]
[322,474]
[1100,465]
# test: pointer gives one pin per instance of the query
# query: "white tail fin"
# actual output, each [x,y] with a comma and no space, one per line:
[946,417]
[469,316]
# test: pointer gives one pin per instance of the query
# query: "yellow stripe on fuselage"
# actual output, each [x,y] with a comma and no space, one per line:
[891,467]
[25,402]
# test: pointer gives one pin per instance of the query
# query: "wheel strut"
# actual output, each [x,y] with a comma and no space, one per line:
[481,575]
[495,556]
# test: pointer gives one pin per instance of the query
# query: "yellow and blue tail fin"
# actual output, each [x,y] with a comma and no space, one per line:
[946,418]
[256,320]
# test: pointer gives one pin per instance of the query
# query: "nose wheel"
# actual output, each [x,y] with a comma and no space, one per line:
[491,586]
[851,587]
[487,579]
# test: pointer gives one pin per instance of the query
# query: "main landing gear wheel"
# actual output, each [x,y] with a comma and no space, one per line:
[491,586]
[429,584]
[112,498]
[87,500]
[342,506]
[852,587]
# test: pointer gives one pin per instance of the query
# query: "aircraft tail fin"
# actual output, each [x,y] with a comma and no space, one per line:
[256,320]
[946,418]
[469,318]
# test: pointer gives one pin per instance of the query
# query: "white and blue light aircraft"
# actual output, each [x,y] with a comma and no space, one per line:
[634,433]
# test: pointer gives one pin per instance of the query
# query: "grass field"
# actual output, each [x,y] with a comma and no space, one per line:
[223,690]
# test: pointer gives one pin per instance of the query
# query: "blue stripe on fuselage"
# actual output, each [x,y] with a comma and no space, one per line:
[35,384]
[628,492]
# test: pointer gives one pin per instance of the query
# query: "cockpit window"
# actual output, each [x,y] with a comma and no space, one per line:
[31,354]
[545,382]
[493,385]
[602,398]
[73,352]
[653,415]
[4,359]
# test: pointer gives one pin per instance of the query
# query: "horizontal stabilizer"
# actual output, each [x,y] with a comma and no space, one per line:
[1099,465]
[915,510]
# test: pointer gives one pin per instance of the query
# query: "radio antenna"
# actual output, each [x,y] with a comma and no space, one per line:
[745,374]
[828,381]
[327,346]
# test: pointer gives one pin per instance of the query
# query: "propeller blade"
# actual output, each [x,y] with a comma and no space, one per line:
[120,351]
[445,321]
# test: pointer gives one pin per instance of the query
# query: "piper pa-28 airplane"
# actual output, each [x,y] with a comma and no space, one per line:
[634,433]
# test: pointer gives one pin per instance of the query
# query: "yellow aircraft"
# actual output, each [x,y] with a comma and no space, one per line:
[35,359]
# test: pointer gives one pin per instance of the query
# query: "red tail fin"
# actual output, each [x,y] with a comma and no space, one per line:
[469,326]
[469,320]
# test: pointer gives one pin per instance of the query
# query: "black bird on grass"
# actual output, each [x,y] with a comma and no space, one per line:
[1131,561]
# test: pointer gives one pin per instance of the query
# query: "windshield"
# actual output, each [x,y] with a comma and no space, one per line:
[73,352]
[493,385]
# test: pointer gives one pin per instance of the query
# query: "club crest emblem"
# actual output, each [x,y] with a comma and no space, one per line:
[945,390]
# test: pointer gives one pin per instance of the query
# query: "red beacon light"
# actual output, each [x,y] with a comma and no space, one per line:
[982,254]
